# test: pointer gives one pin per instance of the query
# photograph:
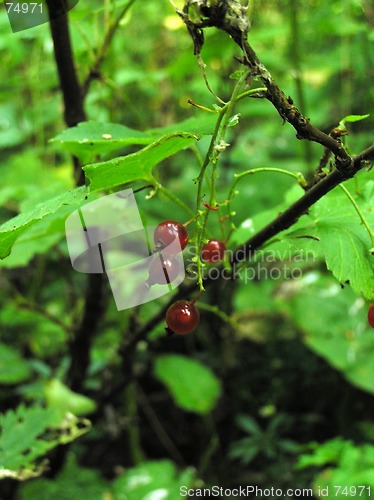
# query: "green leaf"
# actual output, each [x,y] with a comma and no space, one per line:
[156,479]
[339,332]
[13,368]
[28,433]
[334,232]
[90,138]
[245,450]
[350,468]
[249,425]
[323,454]
[37,239]
[103,175]
[344,242]
[138,165]
[73,482]
[62,398]
[351,119]
[16,226]
[193,386]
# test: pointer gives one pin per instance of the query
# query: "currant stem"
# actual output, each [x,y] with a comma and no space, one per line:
[251,92]
[216,146]
[296,175]
[197,298]
[215,310]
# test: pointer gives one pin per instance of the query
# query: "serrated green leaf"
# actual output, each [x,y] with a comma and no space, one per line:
[106,174]
[325,453]
[193,386]
[136,166]
[90,138]
[28,433]
[344,241]
[37,239]
[73,482]
[13,368]
[16,226]
[334,232]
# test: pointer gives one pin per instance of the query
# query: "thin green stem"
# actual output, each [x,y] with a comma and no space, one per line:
[216,146]
[220,314]
[131,403]
[361,215]
[296,175]
[249,93]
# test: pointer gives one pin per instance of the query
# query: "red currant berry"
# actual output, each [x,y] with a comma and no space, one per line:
[162,270]
[371,315]
[167,232]
[182,317]
[213,251]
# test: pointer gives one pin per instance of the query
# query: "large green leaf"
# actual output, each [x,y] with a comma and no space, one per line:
[343,240]
[156,479]
[193,386]
[37,239]
[74,481]
[26,434]
[91,138]
[348,468]
[88,137]
[59,396]
[332,231]
[138,165]
[16,226]
[334,323]
[13,368]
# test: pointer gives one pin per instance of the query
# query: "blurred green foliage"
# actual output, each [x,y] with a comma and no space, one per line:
[283,356]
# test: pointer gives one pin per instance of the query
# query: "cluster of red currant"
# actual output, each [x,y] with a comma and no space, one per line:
[183,316]
[164,267]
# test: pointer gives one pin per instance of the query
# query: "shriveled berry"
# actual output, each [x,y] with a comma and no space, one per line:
[168,232]
[182,317]
[163,269]
[213,251]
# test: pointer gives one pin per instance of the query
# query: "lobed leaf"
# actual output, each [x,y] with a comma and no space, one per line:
[193,386]
[16,226]
[28,433]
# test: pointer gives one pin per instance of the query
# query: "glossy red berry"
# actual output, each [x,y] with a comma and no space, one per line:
[182,317]
[162,270]
[167,232]
[213,251]
[371,315]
